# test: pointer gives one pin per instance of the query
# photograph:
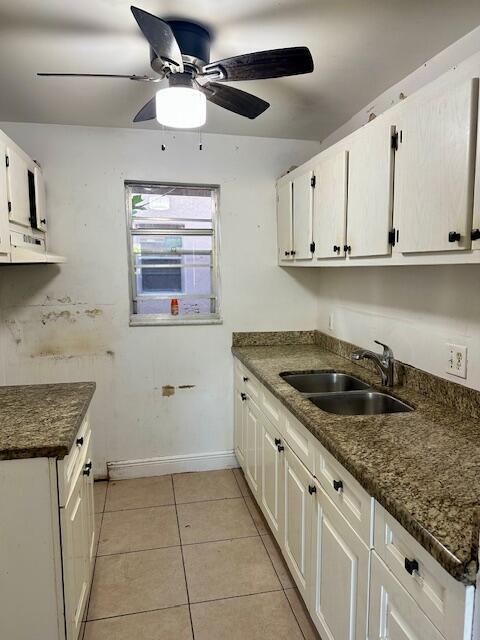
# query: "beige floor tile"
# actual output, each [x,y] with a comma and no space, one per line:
[138,529]
[278,562]
[136,582]
[167,624]
[205,485]
[99,492]
[242,483]
[230,568]
[265,616]
[138,493]
[257,516]
[303,617]
[214,520]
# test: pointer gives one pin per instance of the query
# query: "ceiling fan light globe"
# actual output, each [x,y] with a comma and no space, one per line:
[181,107]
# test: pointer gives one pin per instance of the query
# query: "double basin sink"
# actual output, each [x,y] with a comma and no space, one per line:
[343,394]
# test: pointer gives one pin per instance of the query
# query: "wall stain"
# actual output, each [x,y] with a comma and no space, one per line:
[168,390]
[93,313]
[53,316]
[186,386]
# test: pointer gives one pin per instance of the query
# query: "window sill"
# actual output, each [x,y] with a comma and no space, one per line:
[156,321]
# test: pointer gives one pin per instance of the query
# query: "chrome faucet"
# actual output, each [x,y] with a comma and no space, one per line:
[384,362]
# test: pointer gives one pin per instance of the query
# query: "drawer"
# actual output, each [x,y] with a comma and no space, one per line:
[70,467]
[271,407]
[350,498]
[300,440]
[446,602]
[393,613]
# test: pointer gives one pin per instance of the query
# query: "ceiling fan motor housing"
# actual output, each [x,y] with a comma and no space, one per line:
[193,40]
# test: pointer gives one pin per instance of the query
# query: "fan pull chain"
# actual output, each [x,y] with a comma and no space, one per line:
[200,143]
[163,147]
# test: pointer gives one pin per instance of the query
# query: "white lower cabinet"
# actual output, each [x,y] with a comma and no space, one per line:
[394,614]
[297,487]
[346,554]
[340,563]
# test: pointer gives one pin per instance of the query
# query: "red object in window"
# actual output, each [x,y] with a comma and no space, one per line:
[174,307]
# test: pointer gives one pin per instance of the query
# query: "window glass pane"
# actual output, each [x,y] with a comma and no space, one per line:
[173,208]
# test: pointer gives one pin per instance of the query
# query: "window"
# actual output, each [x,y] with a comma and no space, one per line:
[173,252]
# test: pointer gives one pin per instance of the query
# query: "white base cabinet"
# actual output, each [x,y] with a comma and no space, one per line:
[345,552]
[46,543]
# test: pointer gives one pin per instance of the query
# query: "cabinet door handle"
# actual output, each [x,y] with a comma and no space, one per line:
[87,468]
[293,253]
[287,253]
[336,248]
[79,442]
[245,379]
[454,236]
[43,221]
[312,489]
[338,485]
[411,566]
[278,441]
[243,396]
[347,248]
[475,234]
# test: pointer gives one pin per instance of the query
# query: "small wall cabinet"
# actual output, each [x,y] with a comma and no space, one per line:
[344,551]
[399,190]
[47,551]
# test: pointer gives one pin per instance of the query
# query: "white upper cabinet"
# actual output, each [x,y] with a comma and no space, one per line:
[4,230]
[40,200]
[330,205]
[285,221]
[303,216]
[17,188]
[370,188]
[434,169]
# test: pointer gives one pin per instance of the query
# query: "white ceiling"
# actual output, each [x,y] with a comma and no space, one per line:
[360,48]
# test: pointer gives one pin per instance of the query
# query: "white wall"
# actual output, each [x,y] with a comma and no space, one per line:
[70,322]
[417,310]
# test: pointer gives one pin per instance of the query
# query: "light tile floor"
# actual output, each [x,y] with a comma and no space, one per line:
[189,557]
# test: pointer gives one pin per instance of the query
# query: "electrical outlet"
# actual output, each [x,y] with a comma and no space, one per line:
[457,360]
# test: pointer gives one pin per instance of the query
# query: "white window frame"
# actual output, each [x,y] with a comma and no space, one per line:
[140,320]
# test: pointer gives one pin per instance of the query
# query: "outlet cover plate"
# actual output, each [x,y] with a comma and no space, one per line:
[457,360]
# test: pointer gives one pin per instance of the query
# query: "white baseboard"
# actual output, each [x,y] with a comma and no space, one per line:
[124,469]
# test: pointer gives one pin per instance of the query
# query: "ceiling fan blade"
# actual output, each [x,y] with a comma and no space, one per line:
[100,75]
[275,63]
[159,36]
[147,112]
[241,102]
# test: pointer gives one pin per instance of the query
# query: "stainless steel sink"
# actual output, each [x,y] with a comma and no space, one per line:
[366,403]
[323,382]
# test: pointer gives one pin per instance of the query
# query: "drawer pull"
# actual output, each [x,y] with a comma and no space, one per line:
[411,566]
[87,468]
[79,441]
[338,485]
[245,379]
[278,441]
[280,448]
[312,489]
[243,396]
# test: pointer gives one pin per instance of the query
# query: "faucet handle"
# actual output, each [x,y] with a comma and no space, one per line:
[387,351]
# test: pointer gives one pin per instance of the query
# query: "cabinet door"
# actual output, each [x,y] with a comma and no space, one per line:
[330,206]
[339,598]
[40,201]
[297,524]
[285,222]
[18,193]
[303,216]
[370,188]
[239,434]
[394,614]
[272,451]
[434,170]
[75,551]
[89,514]
[252,445]
[4,230]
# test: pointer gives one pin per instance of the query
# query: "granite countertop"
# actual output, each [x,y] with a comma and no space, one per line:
[423,466]
[41,420]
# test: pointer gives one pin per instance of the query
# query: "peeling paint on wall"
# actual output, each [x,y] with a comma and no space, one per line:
[168,390]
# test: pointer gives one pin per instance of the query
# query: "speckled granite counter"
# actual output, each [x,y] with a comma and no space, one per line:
[41,420]
[423,466]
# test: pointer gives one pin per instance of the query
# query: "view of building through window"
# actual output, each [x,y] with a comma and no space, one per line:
[173,252]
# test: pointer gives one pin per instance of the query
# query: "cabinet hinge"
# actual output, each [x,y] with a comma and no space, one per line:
[394,141]
[312,247]
[392,234]
[7,161]
[313,181]
[9,207]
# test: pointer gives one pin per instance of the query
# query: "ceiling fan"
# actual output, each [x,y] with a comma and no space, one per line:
[180,54]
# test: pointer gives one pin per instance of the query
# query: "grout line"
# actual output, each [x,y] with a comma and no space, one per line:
[134,613]
[122,553]
[149,506]
[183,561]
[180,504]
[231,539]
[242,595]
